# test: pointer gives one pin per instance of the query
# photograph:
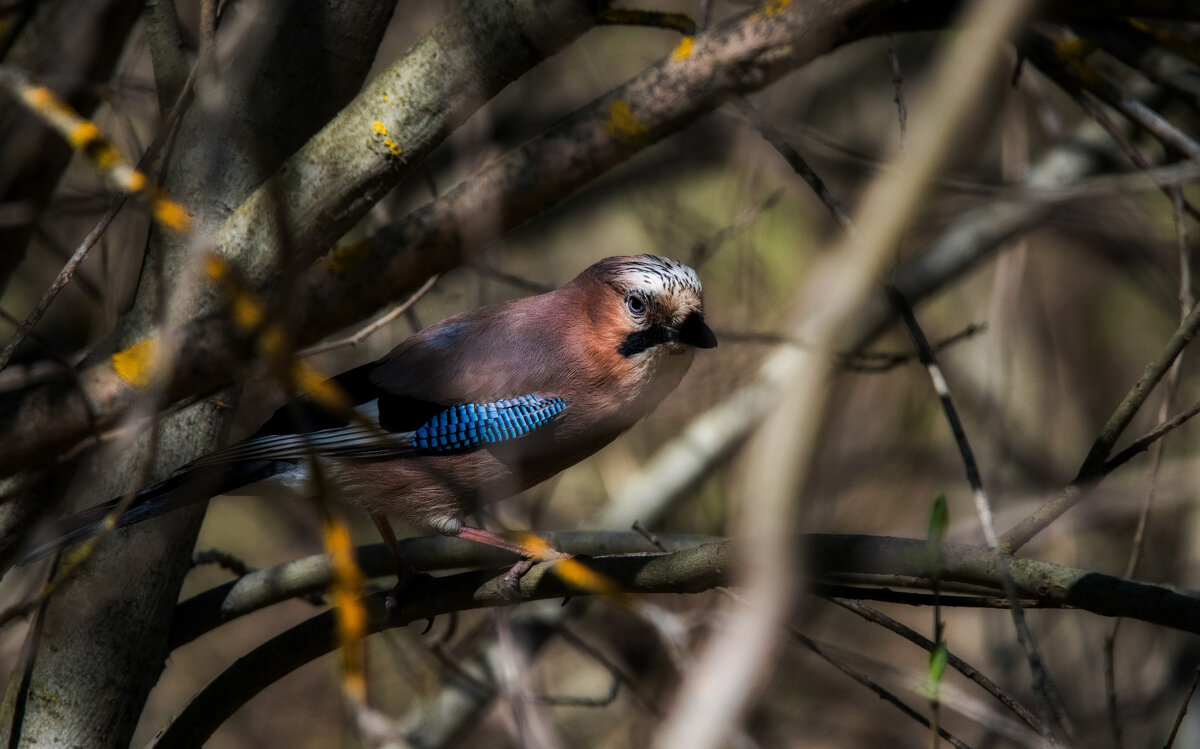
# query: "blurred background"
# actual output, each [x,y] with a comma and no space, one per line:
[1066,317]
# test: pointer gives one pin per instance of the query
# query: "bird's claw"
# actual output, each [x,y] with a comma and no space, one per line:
[512,578]
[405,580]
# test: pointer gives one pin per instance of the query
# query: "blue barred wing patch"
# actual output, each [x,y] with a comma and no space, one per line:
[473,424]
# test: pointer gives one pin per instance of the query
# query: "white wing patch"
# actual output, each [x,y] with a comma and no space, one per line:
[362,438]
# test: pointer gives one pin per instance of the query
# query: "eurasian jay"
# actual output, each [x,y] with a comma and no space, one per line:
[474,409]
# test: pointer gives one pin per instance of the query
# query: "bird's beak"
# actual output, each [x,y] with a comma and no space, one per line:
[694,332]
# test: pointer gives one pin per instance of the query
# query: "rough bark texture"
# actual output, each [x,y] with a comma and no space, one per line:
[106,643]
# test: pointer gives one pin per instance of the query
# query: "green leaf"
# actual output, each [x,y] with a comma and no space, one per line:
[937,662]
[937,667]
[928,558]
[939,523]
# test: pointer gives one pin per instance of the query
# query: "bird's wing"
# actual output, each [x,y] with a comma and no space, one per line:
[459,427]
[360,436]
[453,386]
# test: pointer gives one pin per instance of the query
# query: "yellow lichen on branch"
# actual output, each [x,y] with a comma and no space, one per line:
[250,315]
[1180,45]
[392,146]
[623,125]
[682,50]
[572,570]
[138,363]
[772,8]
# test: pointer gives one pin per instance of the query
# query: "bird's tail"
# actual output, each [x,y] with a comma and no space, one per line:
[188,486]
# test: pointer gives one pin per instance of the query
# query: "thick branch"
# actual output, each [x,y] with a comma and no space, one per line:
[746,53]
[208,610]
[688,571]
[832,558]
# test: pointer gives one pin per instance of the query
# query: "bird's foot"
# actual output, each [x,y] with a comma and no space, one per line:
[406,577]
[512,578]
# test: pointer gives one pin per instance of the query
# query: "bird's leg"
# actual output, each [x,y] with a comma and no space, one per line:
[530,552]
[404,571]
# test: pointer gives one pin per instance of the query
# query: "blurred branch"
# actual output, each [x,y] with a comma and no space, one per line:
[1149,54]
[168,54]
[743,54]
[690,570]
[1066,64]
[117,642]
[1063,64]
[32,157]
[152,153]
[715,693]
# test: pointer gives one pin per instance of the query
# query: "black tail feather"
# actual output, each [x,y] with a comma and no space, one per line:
[184,488]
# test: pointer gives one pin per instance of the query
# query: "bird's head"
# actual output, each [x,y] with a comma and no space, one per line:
[648,312]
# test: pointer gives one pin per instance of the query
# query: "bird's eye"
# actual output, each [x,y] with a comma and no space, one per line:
[635,304]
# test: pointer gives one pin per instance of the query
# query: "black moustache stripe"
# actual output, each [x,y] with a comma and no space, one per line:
[641,340]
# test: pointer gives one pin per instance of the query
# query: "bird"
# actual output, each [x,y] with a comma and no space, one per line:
[465,412]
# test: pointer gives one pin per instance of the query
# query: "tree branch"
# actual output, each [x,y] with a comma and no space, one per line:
[687,571]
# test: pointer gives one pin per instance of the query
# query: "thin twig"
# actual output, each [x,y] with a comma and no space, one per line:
[898,88]
[1095,466]
[867,682]
[797,162]
[855,674]
[866,362]
[1186,300]
[703,249]
[966,669]
[1182,711]
[648,535]
[165,135]
[1043,685]
[224,560]
[512,279]
[365,332]
[1110,685]
[618,674]
[651,18]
